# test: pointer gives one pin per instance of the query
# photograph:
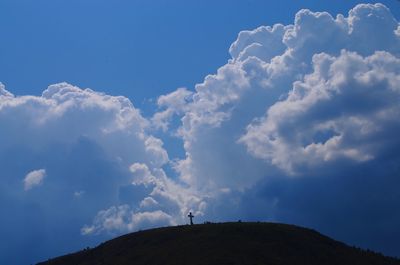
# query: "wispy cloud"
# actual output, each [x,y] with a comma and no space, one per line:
[34,178]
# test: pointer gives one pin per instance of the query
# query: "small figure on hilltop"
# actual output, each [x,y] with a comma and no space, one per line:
[191,218]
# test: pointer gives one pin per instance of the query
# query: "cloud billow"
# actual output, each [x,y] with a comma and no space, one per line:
[350,99]
[297,100]
[299,126]
[301,119]
[34,178]
[83,143]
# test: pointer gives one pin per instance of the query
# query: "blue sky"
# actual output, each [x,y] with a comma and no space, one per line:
[193,106]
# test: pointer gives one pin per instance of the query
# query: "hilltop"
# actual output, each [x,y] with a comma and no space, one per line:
[224,243]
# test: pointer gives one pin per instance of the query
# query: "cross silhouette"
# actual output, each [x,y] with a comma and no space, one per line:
[191,218]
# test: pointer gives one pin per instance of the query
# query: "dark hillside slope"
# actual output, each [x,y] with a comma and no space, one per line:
[224,243]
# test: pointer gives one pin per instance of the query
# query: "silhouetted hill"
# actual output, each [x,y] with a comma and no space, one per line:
[224,243]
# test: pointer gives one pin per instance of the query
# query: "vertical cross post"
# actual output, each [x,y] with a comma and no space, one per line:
[191,218]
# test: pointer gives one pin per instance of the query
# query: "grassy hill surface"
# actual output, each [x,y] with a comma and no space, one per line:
[224,243]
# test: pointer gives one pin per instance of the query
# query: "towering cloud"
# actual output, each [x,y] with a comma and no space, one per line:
[301,122]
[85,141]
[298,97]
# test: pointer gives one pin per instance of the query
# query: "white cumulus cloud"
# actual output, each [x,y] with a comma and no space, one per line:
[344,109]
[295,96]
[101,155]
[123,219]
[34,178]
